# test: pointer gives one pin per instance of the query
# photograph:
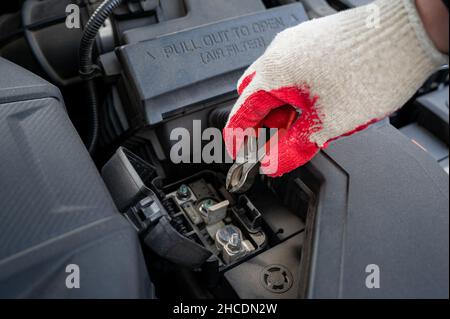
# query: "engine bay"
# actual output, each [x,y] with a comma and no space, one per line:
[222,234]
[173,64]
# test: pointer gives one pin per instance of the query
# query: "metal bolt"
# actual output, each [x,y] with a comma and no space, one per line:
[183,192]
[234,242]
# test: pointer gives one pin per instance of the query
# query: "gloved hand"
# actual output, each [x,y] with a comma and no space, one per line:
[343,72]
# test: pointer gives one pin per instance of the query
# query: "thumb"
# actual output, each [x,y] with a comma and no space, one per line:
[292,148]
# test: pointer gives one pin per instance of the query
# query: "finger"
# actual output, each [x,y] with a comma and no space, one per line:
[248,112]
[278,117]
[254,105]
[247,77]
[293,149]
[244,82]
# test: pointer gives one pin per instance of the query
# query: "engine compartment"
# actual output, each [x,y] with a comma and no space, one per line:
[233,230]
[174,64]
[222,234]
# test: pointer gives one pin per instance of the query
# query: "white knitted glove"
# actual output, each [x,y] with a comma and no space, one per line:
[342,71]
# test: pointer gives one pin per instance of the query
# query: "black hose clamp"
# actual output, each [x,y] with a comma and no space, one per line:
[93,72]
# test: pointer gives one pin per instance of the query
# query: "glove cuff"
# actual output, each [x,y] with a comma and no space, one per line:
[388,62]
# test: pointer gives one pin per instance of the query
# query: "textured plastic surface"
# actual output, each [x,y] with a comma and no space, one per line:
[318,8]
[170,73]
[383,201]
[199,12]
[355,3]
[122,180]
[437,101]
[430,143]
[435,113]
[171,245]
[431,132]
[278,217]
[247,279]
[123,175]
[53,45]
[54,207]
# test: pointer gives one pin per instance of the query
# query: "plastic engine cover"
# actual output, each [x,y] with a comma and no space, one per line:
[54,207]
[170,73]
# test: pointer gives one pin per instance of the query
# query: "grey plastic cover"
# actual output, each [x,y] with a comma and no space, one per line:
[384,201]
[55,210]
[177,71]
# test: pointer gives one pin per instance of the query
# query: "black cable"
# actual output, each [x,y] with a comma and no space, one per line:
[92,101]
[87,68]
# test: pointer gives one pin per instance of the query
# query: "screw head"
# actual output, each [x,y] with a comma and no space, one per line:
[183,192]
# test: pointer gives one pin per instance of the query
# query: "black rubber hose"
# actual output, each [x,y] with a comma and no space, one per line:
[87,68]
[218,117]
[92,101]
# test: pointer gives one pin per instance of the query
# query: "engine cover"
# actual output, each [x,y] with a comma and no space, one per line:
[195,65]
